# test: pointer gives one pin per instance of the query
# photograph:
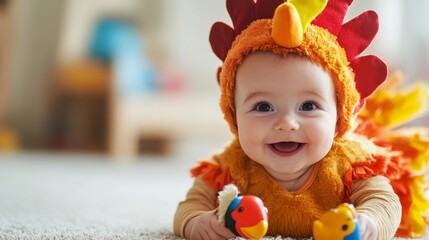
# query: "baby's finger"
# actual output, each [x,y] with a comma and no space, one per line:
[223,231]
[203,235]
[220,229]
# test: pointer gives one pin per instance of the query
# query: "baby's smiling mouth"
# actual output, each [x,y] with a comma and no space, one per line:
[287,148]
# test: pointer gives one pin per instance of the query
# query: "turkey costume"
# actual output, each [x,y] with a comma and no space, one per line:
[377,168]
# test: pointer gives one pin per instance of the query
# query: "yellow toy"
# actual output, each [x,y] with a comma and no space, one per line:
[338,224]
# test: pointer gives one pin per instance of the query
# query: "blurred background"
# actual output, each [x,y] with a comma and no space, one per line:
[134,77]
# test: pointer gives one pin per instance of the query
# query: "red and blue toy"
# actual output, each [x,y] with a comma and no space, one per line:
[245,216]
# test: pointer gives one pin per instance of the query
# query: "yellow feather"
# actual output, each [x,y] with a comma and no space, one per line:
[308,10]
[419,207]
[390,106]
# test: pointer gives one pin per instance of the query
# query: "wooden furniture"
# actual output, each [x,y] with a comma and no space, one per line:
[8,137]
[172,117]
[91,114]
[79,107]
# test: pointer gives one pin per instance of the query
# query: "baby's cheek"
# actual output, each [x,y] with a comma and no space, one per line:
[249,143]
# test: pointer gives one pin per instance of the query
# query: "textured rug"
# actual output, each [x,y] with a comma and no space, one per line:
[53,196]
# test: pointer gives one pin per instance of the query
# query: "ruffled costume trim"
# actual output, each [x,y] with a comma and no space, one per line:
[212,174]
[381,118]
[388,166]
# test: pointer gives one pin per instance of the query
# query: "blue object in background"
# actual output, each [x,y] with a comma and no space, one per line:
[118,42]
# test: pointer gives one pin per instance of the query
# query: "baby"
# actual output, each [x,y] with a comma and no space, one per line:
[289,95]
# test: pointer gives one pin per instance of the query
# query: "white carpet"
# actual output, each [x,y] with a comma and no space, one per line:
[56,196]
[47,196]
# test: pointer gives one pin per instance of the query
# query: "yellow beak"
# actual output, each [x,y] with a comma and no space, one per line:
[257,231]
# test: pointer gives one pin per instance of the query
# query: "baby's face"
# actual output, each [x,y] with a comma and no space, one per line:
[285,112]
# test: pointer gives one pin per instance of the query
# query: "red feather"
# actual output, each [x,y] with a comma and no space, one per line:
[356,35]
[332,17]
[266,8]
[221,38]
[242,13]
[370,72]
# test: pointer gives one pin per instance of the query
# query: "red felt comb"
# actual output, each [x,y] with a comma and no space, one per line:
[354,36]
[242,13]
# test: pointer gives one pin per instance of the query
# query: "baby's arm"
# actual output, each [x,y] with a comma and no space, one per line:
[378,207]
[196,217]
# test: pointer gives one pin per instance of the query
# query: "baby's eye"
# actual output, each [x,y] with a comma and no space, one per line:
[263,107]
[308,106]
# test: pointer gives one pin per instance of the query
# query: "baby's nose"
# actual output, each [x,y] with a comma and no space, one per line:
[286,122]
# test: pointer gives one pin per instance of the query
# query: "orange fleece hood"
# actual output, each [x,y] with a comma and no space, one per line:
[305,28]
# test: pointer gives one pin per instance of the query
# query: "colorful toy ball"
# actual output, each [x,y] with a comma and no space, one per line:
[245,216]
[340,223]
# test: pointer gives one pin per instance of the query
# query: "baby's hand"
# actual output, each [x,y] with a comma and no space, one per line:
[368,227]
[207,226]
